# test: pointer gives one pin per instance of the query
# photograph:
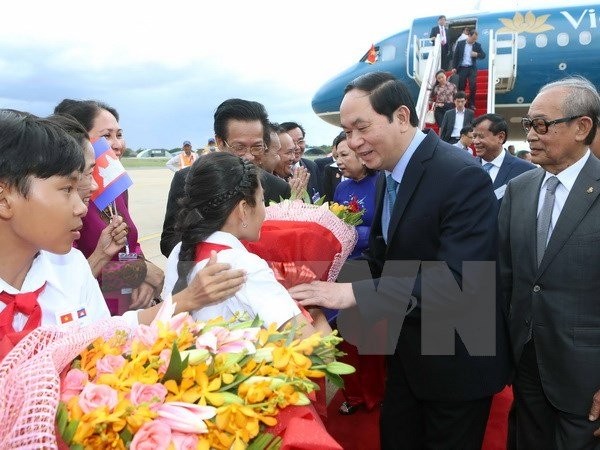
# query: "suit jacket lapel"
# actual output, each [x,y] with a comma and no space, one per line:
[410,180]
[501,178]
[578,203]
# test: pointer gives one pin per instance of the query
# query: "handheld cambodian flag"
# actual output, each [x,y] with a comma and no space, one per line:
[109,173]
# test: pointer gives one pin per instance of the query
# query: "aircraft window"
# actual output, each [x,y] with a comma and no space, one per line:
[585,38]
[541,40]
[387,53]
[562,39]
[521,41]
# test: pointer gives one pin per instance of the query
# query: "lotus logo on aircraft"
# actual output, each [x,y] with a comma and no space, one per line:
[525,24]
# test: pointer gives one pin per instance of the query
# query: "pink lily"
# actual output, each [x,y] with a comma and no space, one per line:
[186,417]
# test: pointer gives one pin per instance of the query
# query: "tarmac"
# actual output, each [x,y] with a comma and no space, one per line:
[147,204]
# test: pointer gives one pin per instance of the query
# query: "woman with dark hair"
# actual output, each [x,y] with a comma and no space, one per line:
[101,120]
[223,205]
[356,191]
[114,235]
[442,95]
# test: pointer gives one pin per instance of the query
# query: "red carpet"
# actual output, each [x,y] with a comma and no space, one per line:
[360,431]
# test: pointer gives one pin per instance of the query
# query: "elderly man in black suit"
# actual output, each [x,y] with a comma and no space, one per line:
[464,63]
[241,128]
[490,132]
[434,203]
[550,266]
[442,30]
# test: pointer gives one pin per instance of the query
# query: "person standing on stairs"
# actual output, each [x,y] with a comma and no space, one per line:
[442,30]
[464,61]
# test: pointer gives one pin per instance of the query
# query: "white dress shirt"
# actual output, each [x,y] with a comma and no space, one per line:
[497,162]
[567,179]
[71,296]
[261,295]
[467,60]
[458,123]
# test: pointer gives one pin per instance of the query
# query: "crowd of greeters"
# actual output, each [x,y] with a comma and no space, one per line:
[425,200]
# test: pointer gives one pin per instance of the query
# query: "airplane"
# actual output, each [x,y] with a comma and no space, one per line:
[525,50]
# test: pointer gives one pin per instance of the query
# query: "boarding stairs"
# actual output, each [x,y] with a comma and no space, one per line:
[499,75]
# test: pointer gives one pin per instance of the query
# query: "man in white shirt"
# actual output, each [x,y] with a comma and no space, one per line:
[549,264]
[456,119]
[464,63]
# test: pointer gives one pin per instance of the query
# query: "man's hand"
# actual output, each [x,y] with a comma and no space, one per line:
[595,411]
[214,283]
[322,293]
[299,181]
[142,296]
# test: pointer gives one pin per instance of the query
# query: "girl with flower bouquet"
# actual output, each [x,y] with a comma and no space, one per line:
[223,204]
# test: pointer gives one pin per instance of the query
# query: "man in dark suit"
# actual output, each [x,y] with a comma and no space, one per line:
[464,63]
[456,119]
[442,30]
[241,128]
[490,132]
[444,210]
[296,131]
[550,265]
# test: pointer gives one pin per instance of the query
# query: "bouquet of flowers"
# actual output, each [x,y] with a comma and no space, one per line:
[176,384]
[351,213]
[306,239]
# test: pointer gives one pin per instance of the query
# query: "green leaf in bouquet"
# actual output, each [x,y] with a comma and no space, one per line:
[336,380]
[277,337]
[265,441]
[176,366]
[230,397]
[320,201]
[126,436]
[62,417]
[77,447]
[292,332]
[340,368]
[69,432]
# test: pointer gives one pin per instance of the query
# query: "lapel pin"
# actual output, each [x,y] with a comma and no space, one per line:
[590,190]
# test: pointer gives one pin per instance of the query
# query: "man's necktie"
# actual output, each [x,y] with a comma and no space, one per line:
[487,167]
[391,187]
[545,217]
[25,303]
[443,35]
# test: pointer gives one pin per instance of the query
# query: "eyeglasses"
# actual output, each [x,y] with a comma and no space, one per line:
[541,125]
[240,149]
